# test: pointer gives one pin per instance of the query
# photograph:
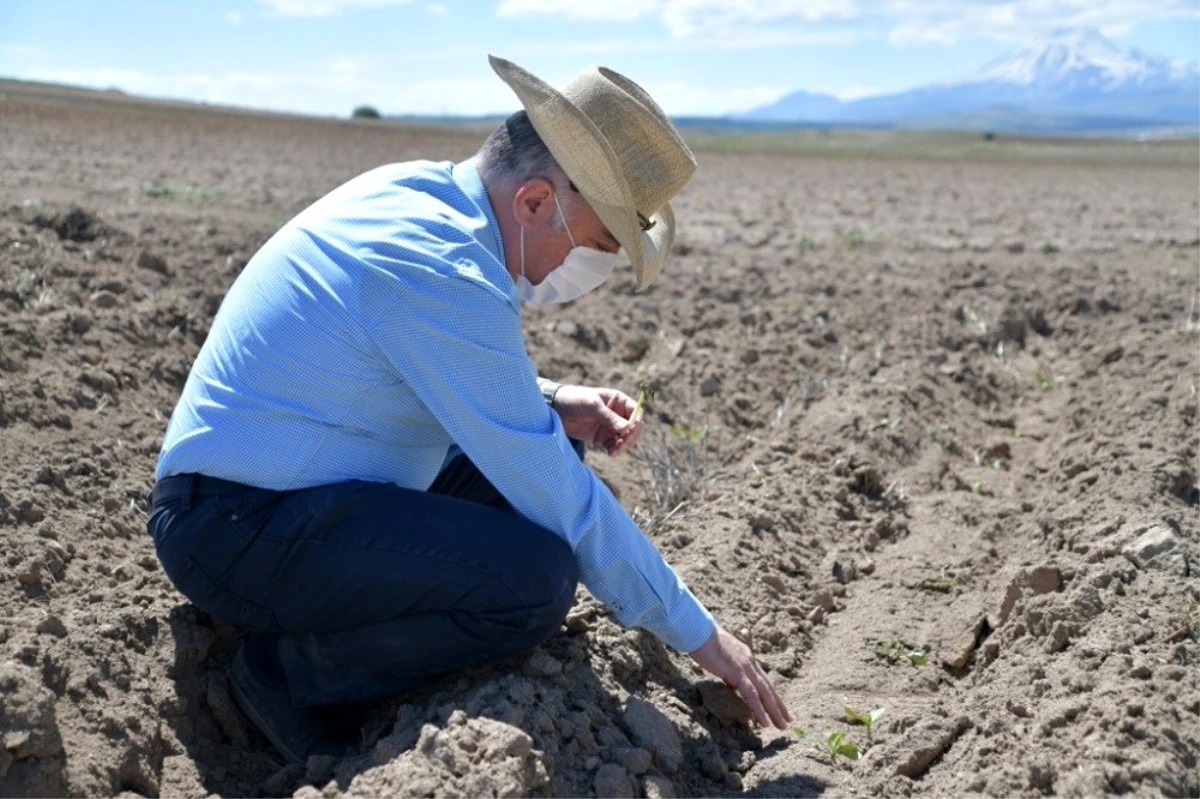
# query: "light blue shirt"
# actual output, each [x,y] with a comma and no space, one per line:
[371,333]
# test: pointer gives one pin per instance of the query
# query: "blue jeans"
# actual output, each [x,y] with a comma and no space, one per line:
[369,589]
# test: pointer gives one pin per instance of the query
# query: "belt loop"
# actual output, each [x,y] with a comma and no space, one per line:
[189,496]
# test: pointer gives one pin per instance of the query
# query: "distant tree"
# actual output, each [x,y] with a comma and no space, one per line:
[989,135]
[365,112]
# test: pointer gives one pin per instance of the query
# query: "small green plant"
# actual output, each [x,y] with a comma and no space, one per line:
[938,585]
[1049,248]
[866,719]
[981,488]
[647,392]
[805,242]
[856,238]
[1045,382]
[693,433]
[834,744]
[895,650]
[838,745]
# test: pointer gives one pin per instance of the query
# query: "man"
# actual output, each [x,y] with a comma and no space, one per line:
[362,471]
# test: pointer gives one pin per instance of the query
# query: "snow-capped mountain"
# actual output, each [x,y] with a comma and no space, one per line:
[1070,57]
[1082,60]
[1069,80]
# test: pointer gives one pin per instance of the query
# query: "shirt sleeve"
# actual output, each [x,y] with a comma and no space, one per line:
[462,352]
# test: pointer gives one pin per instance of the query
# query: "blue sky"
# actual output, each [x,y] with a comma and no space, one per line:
[411,56]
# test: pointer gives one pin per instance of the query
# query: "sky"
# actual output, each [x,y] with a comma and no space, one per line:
[695,57]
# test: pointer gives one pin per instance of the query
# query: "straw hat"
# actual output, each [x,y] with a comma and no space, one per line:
[618,148]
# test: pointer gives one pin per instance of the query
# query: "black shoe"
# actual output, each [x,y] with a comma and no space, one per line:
[297,732]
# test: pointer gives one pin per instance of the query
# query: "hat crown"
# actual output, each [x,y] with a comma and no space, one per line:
[619,149]
[653,157]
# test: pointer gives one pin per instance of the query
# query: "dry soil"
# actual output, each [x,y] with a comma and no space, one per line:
[926,436]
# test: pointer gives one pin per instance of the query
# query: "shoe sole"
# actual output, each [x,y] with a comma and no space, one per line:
[244,695]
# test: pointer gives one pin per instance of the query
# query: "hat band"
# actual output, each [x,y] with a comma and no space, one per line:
[643,220]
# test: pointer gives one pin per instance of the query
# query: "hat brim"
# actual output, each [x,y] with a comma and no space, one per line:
[590,162]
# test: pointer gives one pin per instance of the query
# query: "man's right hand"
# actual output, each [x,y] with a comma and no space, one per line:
[725,656]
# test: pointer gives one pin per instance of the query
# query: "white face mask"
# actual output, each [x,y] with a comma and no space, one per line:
[583,270]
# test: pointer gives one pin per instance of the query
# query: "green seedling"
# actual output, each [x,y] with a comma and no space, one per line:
[939,585]
[838,745]
[866,719]
[1045,382]
[980,487]
[856,238]
[835,744]
[693,433]
[647,393]
[895,650]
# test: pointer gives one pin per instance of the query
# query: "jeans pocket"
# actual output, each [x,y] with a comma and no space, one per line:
[248,512]
[221,603]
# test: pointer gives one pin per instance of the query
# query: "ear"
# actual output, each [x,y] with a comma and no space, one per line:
[533,202]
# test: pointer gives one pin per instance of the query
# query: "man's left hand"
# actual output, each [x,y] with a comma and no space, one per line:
[598,416]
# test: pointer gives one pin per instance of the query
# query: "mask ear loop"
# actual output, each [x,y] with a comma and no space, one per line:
[564,220]
[522,239]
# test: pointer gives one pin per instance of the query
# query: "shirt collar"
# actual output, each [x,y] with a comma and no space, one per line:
[467,177]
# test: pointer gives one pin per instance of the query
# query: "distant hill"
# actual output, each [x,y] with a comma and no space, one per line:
[1072,80]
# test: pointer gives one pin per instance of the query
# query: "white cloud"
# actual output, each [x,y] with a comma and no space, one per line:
[909,35]
[907,22]
[608,11]
[857,92]
[743,41]
[324,8]
[234,17]
[337,87]
[436,10]
[691,99]
[714,18]
[20,50]
[333,89]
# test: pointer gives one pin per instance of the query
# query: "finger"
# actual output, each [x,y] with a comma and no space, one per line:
[750,696]
[614,422]
[785,714]
[772,703]
[612,445]
[621,442]
[633,432]
[621,402]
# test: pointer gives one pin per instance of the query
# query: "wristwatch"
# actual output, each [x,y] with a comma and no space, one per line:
[549,389]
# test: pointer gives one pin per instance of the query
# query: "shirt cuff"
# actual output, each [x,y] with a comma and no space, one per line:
[690,626]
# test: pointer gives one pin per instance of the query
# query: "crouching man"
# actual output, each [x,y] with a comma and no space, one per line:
[364,471]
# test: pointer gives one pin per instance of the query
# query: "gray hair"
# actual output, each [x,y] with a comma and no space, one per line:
[515,153]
